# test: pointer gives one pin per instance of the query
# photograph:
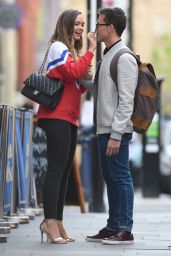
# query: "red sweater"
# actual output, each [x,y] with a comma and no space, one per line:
[61,65]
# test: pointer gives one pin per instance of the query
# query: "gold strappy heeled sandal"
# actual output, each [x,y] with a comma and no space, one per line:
[64,233]
[57,240]
[69,239]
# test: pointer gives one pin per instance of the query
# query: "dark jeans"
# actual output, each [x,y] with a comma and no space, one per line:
[61,144]
[120,191]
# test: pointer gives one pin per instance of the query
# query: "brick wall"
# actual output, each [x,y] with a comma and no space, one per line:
[27,38]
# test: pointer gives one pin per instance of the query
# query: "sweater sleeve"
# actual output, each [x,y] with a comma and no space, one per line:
[86,85]
[127,71]
[60,63]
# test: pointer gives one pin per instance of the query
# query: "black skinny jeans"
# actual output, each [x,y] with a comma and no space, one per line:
[61,144]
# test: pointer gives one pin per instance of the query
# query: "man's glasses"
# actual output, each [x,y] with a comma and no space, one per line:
[102,24]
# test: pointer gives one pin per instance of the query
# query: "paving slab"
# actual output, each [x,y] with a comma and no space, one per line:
[152,233]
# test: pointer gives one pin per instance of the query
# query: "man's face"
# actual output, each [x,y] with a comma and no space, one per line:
[102,29]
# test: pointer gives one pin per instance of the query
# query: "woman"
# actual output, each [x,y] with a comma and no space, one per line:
[60,125]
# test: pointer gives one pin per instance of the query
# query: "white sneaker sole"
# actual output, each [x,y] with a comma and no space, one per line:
[116,242]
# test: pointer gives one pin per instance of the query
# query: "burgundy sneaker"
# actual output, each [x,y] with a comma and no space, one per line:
[122,237]
[103,233]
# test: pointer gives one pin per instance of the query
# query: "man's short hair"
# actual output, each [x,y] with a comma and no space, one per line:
[115,16]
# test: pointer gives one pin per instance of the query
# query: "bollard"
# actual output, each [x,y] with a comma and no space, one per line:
[20,172]
[6,160]
[92,181]
[2,176]
[97,180]
[9,165]
[150,179]
[86,170]
[27,134]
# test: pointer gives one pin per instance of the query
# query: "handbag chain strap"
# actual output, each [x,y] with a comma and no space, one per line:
[40,71]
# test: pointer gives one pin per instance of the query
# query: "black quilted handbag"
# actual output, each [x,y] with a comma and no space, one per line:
[43,89]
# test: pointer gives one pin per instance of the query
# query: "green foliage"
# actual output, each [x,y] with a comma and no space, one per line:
[161,59]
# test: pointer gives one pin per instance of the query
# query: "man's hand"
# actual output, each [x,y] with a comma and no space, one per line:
[113,147]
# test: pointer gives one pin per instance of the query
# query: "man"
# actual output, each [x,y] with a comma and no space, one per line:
[114,105]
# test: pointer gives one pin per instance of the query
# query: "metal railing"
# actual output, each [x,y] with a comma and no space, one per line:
[16,172]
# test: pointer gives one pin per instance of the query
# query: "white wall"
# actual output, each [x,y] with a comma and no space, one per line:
[9,64]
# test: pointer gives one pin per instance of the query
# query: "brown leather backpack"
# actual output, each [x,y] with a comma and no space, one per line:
[146,94]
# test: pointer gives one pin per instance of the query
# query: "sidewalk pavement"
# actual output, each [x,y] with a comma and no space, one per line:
[152,233]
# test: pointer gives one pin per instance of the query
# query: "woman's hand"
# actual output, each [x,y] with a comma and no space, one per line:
[92,41]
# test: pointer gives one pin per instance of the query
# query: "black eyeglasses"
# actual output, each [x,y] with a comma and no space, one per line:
[102,24]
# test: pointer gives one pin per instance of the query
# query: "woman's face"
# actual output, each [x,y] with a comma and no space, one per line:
[78,27]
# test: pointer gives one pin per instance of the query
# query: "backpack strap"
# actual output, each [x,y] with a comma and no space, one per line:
[113,65]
